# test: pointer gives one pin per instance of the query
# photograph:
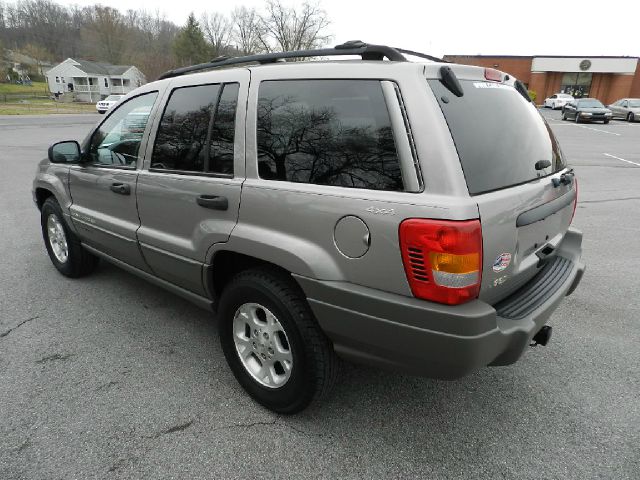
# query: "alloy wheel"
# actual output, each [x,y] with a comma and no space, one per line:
[57,238]
[262,345]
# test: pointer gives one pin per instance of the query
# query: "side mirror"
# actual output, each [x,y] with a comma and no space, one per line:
[65,152]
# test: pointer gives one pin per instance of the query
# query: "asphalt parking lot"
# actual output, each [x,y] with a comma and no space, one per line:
[111,377]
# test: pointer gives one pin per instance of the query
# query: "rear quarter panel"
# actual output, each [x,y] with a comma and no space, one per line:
[292,224]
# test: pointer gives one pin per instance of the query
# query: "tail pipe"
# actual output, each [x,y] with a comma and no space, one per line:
[542,337]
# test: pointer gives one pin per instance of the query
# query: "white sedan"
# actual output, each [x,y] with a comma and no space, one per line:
[104,105]
[557,100]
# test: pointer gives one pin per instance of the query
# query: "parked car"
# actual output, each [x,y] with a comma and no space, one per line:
[103,106]
[627,109]
[557,100]
[324,209]
[586,110]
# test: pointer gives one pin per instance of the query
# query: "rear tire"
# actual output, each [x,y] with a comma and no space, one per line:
[63,246]
[564,116]
[261,298]
[577,118]
[606,121]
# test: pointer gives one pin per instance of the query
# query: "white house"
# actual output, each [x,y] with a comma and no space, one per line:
[93,81]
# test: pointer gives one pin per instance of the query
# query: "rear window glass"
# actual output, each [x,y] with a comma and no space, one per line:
[498,134]
[327,132]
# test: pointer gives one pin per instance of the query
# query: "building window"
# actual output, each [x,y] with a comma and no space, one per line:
[576,84]
[106,83]
[57,79]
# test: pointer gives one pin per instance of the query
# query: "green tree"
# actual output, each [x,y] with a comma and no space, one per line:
[190,47]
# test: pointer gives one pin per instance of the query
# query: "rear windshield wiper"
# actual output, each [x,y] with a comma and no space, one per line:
[542,164]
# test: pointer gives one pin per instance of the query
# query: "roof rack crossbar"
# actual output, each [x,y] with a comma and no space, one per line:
[354,47]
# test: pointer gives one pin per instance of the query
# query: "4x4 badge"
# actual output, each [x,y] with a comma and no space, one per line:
[501,262]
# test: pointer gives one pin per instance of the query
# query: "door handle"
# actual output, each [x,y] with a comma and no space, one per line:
[213,201]
[121,188]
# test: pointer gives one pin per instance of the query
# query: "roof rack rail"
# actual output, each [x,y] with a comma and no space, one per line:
[353,47]
[421,55]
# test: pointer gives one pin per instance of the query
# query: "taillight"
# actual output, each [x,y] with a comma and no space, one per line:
[575,201]
[493,75]
[442,259]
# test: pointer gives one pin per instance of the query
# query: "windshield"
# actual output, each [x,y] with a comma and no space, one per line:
[498,134]
[113,98]
[634,103]
[590,103]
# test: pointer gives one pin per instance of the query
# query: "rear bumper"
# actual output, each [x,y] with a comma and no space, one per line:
[428,339]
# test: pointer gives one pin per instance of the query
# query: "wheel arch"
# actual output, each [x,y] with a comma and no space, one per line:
[41,194]
[225,264]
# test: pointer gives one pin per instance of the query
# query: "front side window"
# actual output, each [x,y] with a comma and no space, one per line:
[196,132]
[327,132]
[117,141]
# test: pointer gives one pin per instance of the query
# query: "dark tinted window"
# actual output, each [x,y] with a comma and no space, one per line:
[196,132]
[117,141]
[222,134]
[498,134]
[182,134]
[327,132]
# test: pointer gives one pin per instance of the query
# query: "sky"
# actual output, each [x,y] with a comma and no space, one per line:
[487,27]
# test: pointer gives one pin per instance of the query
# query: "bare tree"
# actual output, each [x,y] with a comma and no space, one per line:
[285,28]
[247,30]
[38,53]
[150,39]
[106,34]
[217,31]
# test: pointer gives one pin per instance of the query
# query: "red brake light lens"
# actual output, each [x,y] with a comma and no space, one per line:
[492,75]
[442,259]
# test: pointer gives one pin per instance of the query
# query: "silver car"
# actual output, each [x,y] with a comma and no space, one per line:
[411,216]
[626,109]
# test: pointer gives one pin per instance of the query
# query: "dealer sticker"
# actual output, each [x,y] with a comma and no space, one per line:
[501,262]
[490,85]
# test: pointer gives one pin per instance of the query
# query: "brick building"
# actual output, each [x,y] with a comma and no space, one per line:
[605,78]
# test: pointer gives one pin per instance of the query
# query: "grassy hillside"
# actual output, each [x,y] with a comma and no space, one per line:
[39,88]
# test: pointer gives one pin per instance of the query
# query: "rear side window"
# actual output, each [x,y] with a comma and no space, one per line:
[498,134]
[196,131]
[327,132]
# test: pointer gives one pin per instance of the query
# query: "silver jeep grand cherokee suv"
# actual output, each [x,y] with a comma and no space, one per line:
[410,215]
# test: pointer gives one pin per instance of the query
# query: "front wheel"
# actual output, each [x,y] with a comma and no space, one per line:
[577,118]
[64,248]
[272,342]
[631,117]
[564,116]
[606,121]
